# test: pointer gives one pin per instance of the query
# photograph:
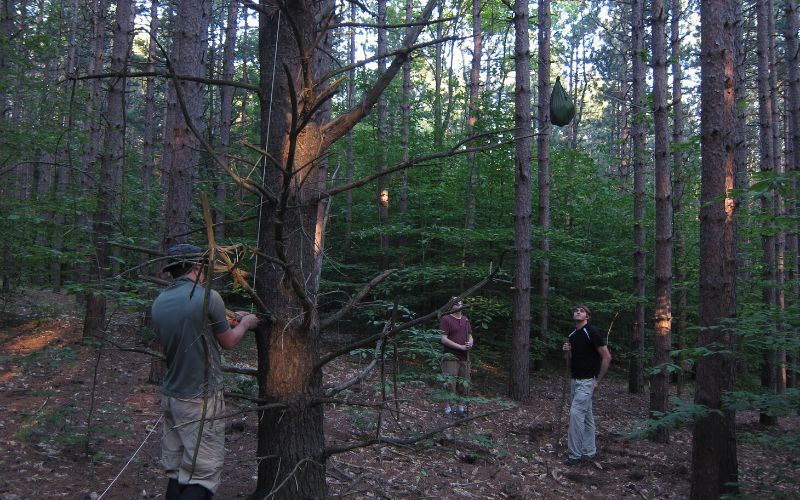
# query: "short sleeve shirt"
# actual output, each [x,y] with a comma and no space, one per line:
[178,321]
[457,330]
[585,358]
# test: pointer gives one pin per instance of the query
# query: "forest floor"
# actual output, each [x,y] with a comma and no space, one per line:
[50,381]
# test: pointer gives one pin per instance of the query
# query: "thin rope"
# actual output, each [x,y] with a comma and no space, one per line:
[155,426]
[266,146]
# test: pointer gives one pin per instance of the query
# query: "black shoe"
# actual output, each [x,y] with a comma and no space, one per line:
[592,457]
[572,461]
[174,490]
[195,492]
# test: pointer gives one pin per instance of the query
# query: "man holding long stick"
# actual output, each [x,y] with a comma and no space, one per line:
[193,446]
[589,359]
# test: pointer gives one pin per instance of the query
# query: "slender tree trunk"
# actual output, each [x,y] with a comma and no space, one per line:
[680,263]
[543,165]
[111,168]
[438,124]
[351,143]
[521,302]
[472,112]
[767,163]
[405,137]
[714,459]
[659,382]
[149,134]
[636,368]
[792,26]
[382,119]
[226,112]
[179,160]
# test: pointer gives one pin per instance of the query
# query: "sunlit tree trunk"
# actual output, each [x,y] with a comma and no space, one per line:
[714,460]
[635,368]
[543,165]
[519,378]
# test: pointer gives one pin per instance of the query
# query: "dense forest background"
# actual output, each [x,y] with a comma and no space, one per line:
[103,165]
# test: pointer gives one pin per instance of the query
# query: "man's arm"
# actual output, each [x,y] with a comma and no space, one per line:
[605,362]
[230,337]
[452,345]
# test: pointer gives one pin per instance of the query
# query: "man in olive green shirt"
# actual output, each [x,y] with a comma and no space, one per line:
[193,445]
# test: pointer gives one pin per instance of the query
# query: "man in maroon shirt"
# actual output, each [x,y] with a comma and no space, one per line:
[457,341]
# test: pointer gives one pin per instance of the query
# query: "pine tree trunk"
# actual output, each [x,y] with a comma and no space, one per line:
[519,379]
[659,382]
[636,369]
[543,167]
[679,264]
[714,459]
[792,26]
[179,159]
[767,163]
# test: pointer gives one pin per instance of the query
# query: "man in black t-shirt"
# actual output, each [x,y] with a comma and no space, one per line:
[589,359]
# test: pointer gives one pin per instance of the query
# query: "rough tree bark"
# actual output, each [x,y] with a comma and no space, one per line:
[767,163]
[111,166]
[291,443]
[179,160]
[714,459]
[636,367]
[519,379]
[543,165]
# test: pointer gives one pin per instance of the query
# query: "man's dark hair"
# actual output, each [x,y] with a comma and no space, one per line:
[179,270]
[581,306]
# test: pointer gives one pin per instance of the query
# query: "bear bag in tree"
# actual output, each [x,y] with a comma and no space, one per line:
[562,110]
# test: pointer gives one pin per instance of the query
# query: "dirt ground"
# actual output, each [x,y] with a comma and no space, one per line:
[53,387]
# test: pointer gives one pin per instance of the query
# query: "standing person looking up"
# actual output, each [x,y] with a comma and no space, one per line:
[193,445]
[589,359]
[456,368]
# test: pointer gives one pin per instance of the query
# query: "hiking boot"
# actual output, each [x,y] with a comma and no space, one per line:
[593,456]
[461,412]
[448,412]
[572,461]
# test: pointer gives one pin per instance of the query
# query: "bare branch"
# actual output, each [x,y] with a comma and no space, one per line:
[335,129]
[166,74]
[348,24]
[355,300]
[408,324]
[335,450]
[419,161]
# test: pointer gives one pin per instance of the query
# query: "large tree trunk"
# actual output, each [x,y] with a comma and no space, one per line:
[636,368]
[714,460]
[659,382]
[543,165]
[521,320]
[792,25]
[179,160]
[111,167]
[767,163]
[291,440]
[148,134]
[382,119]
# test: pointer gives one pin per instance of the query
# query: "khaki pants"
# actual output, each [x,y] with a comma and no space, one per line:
[457,373]
[182,418]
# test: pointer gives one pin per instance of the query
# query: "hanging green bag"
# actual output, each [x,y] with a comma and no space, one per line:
[562,110]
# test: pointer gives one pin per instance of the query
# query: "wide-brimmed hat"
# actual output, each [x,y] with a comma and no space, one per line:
[182,253]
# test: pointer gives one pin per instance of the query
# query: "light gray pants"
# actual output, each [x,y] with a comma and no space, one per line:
[580,437]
